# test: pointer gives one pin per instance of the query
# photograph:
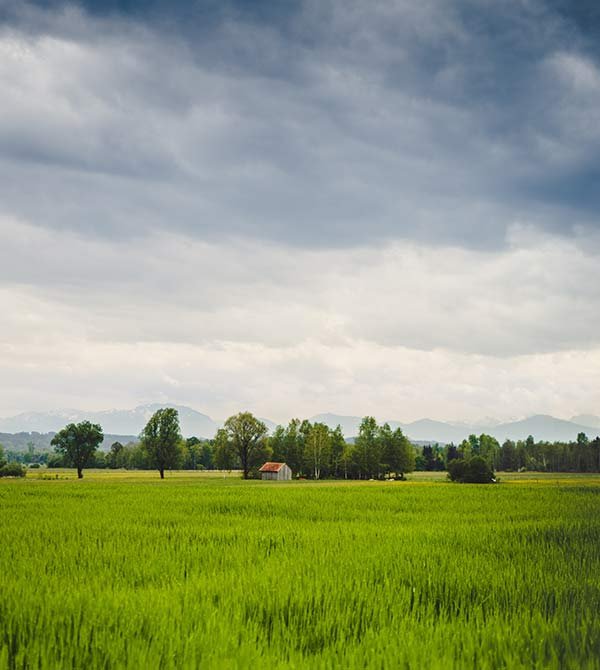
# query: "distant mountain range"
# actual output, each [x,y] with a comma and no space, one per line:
[42,441]
[117,422]
[128,423]
[541,426]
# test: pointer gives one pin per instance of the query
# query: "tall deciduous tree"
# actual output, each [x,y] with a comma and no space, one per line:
[338,446]
[162,441]
[78,443]
[489,448]
[398,453]
[405,453]
[367,447]
[318,448]
[224,453]
[113,457]
[247,435]
[294,446]
[582,439]
[508,456]
[277,444]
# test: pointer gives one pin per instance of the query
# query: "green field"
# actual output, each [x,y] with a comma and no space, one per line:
[123,570]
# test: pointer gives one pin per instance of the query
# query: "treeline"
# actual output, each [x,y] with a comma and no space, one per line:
[312,450]
[315,451]
[580,455]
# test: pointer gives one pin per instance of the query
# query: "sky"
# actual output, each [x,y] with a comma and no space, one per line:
[302,206]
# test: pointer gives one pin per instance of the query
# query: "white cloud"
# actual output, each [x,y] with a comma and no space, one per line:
[400,330]
[389,382]
[535,296]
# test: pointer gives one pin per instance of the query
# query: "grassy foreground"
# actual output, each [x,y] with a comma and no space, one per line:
[191,572]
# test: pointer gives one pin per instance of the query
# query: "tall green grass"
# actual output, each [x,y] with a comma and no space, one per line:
[227,574]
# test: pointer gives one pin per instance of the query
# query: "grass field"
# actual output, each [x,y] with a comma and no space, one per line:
[123,570]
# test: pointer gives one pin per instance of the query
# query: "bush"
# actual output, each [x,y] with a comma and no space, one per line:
[12,470]
[471,471]
[34,466]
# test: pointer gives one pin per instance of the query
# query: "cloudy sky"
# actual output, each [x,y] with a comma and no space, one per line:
[383,207]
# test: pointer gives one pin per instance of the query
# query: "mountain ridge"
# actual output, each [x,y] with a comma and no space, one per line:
[131,422]
[543,427]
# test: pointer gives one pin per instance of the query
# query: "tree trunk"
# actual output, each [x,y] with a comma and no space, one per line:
[162,473]
[79,473]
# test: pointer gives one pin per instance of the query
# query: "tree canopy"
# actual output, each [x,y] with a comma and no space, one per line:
[247,436]
[78,443]
[161,439]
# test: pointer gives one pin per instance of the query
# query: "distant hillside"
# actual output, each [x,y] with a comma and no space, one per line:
[349,424]
[587,420]
[542,427]
[118,421]
[130,423]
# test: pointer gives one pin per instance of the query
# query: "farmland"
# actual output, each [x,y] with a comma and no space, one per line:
[124,570]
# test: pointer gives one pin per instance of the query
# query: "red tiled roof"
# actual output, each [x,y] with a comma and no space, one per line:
[271,467]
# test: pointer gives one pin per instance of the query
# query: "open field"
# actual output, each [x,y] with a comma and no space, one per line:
[104,474]
[123,570]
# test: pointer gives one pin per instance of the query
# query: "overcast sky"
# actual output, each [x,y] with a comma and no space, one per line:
[385,207]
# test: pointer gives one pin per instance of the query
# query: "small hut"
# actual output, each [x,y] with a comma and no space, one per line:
[277,471]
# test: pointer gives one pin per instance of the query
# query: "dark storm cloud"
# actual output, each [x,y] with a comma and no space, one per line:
[310,123]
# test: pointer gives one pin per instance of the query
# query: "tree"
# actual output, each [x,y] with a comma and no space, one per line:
[29,456]
[78,444]
[403,459]
[387,446]
[428,457]
[294,444]
[224,454]
[595,454]
[2,457]
[113,458]
[395,451]
[161,440]
[191,454]
[247,435]
[318,448]
[451,452]
[287,444]
[465,449]
[347,458]
[135,457]
[277,444]
[508,456]
[338,446]
[489,449]
[367,447]
[206,456]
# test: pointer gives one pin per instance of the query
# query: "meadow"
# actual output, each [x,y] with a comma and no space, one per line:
[125,570]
